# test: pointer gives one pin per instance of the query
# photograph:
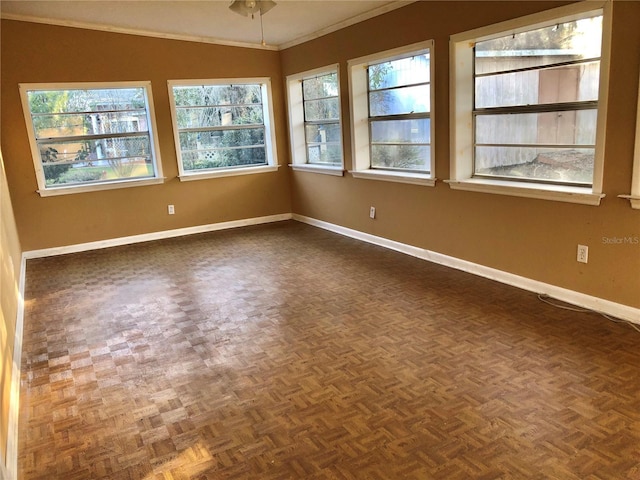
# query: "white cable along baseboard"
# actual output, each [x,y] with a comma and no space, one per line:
[600,305]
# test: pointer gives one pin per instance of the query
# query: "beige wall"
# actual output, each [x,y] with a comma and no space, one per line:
[10,254]
[536,239]
[533,238]
[43,53]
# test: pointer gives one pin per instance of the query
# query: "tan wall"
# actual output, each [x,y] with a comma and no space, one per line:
[10,254]
[34,53]
[532,238]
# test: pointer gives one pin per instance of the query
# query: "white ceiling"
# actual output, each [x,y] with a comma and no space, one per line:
[288,23]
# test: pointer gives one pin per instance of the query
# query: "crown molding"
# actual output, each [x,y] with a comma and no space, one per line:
[210,40]
[133,31]
[347,23]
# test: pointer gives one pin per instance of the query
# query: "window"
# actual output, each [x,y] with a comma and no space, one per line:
[314,120]
[222,127]
[528,112]
[634,198]
[91,136]
[392,97]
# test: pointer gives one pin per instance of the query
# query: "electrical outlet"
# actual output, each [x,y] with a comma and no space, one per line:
[372,212]
[171,209]
[583,254]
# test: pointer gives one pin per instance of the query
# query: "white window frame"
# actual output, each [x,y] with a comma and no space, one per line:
[46,191]
[269,133]
[461,89]
[634,198]
[359,107]
[295,102]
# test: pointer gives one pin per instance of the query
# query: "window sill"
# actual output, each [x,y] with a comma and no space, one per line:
[227,172]
[313,168]
[558,193]
[53,191]
[393,176]
[634,199]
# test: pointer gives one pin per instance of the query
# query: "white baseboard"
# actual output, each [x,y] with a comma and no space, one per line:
[11,470]
[614,309]
[146,237]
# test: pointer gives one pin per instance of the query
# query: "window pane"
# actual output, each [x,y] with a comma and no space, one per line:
[329,153]
[405,71]
[223,158]
[320,87]
[94,135]
[407,157]
[323,132]
[217,95]
[572,127]
[68,125]
[401,131]
[566,165]
[219,116]
[325,109]
[221,138]
[97,171]
[400,101]
[95,100]
[220,126]
[572,83]
[88,151]
[563,42]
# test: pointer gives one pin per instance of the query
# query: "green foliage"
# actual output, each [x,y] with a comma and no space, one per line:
[53,172]
[377,74]
[321,97]
[220,106]
[398,156]
[81,175]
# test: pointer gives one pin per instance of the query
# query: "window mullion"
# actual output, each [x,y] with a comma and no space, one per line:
[538,108]
[84,138]
[548,66]
[216,128]
[88,112]
[398,87]
[536,145]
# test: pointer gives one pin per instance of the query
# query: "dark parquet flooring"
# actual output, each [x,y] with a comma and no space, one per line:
[286,352]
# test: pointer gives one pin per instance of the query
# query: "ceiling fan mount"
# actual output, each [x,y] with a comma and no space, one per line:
[251,7]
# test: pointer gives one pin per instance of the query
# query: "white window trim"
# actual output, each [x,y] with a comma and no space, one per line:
[228,172]
[269,137]
[461,107]
[359,109]
[336,170]
[51,191]
[297,140]
[634,198]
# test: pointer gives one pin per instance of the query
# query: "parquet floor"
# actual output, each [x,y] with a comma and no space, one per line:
[286,352]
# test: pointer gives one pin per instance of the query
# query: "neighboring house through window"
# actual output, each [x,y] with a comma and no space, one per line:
[392,97]
[527,109]
[91,136]
[222,127]
[314,120]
